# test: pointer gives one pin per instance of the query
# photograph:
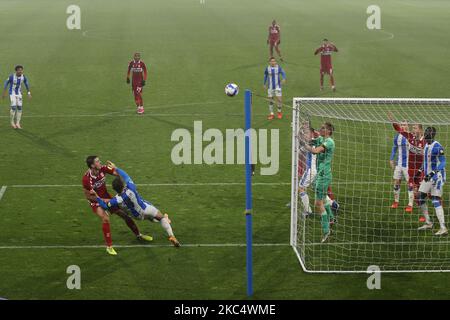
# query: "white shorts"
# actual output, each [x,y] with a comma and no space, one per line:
[434,187]
[150,212]
[400,172]
[308,178]
[274,93]
[16,100]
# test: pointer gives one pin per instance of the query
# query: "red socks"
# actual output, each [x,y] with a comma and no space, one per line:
[107,234]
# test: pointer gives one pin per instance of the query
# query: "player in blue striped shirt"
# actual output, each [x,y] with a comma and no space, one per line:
[274,77]
[400,166]
[14,82]
[129,199]
[434,170]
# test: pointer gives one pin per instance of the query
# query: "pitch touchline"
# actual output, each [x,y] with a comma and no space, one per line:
[189,245]
[2,191]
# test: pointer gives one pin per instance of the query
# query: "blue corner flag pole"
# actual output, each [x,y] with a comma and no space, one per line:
[248,190]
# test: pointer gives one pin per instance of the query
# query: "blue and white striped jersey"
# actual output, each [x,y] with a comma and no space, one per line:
[311,161]
[129,197]
[15,84]
[400,146]
[273,76]
[434,159]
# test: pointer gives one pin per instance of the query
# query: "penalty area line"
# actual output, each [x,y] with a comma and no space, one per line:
[2,192]
[189,245]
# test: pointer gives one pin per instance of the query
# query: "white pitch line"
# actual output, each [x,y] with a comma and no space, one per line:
[156,184]
[2,192]
[198,184]
[189,245]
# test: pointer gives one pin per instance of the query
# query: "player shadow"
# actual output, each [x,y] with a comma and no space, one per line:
[171,123]
[45,144]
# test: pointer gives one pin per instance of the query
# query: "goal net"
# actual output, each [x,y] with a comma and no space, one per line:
[367,230]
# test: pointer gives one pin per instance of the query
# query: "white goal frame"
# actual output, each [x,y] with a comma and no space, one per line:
[296,106]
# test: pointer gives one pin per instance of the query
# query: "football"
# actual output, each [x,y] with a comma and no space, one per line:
[231,89]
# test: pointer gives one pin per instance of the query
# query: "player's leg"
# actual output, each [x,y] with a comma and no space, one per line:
[13,111]
[321,188]
[271,44]
[321,79]
[132,226]
[424,189]
[332,80]
[277,49]
[106,228]
[397,180]
[409,178]
[436,196]
[153,214]
[270,97]
[19,111]
[279,100]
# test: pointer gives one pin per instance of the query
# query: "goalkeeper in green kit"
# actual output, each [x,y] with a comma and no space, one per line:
[323,147]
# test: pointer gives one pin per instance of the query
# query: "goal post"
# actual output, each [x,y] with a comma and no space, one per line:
[367,230]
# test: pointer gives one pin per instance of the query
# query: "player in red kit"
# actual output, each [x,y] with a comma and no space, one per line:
[138,69]
[416,146]
[274,39]
[94,183]
[325,50]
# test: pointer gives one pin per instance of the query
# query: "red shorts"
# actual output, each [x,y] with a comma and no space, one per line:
[414,179]
[273,42]
[137,89]
[326,69]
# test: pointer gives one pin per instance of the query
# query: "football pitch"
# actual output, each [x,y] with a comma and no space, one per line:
[82,106]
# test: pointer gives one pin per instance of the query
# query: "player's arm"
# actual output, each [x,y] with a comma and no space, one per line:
[5,87]
[125,177]
[268,36]
[27,86]
[335,49]
[279,35]
[441,166]
[406,134]
[266,76]
[392,158]
[129,71]
[316,150]
[283,75]
[107,204]
[144,70]
[318,50]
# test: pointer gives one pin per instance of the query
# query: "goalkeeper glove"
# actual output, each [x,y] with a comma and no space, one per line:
[128,80]
[429,176]
[143,83]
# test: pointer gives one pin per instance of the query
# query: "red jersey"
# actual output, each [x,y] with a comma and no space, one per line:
[274,33]
[97,183]
[138,70]
[415,148]
[325,55]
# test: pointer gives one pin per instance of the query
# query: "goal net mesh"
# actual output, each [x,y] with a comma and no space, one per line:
[367,232]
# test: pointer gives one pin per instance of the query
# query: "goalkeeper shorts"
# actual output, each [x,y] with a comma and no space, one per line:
[322,184]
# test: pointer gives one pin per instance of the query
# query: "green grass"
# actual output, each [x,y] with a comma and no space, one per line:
[81,106]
